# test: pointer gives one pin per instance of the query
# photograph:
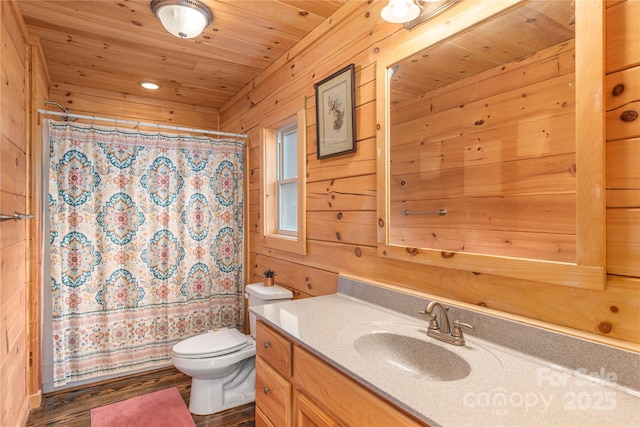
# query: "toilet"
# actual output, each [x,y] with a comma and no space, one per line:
[222,363]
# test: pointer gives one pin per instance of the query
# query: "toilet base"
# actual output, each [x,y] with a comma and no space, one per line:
[209,396]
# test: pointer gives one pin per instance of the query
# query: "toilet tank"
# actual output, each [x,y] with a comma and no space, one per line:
[259,294]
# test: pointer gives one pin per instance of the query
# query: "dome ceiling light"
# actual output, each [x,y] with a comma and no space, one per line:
[412,13]
[400,11]
[182,18]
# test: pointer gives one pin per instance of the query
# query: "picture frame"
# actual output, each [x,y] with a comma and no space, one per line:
[336,113]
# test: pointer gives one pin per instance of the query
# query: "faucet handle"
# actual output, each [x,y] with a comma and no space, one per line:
[457,328]
[433,323]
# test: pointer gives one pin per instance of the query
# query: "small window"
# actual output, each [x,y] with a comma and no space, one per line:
[287,180]
[283,185]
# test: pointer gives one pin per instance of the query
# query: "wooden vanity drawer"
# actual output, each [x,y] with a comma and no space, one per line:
[273,348]
[273,394]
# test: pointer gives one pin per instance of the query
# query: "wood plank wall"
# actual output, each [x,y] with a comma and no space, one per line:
[341,191]
[105,103]
[622,93]
[38,91]
[501,179]
[14,405]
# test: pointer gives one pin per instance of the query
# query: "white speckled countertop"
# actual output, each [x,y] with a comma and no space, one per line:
[505,387]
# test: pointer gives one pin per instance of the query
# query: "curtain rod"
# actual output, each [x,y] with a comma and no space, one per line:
[153,125]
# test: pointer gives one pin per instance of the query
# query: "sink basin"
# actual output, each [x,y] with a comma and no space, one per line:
[415,357]
[398,348]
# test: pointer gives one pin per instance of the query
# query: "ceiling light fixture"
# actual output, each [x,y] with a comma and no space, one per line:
[412,13]
[400,11]
[149,85]
[182,18]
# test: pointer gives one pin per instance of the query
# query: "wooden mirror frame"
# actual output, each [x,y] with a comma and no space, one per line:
[588,272]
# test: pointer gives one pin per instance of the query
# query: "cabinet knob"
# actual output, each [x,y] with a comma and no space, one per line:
[266,344]
[266,389]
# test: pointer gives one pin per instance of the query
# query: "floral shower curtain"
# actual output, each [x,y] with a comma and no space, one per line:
[146,233]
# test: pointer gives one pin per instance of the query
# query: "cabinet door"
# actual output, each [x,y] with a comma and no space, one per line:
[342,397]
[307,414]
[261,419]
[273,394]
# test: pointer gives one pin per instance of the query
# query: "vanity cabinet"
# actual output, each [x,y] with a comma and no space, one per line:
[295,387]
[273,377]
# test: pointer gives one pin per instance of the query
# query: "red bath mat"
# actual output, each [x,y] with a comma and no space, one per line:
[164,408]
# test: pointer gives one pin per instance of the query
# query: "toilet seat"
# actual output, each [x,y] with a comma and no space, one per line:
[211,344]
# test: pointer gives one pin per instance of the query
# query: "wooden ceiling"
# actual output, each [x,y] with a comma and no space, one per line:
[114,44]
[514,34]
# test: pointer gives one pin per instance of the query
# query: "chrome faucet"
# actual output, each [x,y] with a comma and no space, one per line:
[442,330]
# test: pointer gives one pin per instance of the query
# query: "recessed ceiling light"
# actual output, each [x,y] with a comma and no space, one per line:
[149,85]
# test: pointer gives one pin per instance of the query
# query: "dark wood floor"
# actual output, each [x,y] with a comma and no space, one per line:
[72,408]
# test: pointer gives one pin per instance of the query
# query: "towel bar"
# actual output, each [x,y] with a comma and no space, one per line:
[441,212]
[16,216]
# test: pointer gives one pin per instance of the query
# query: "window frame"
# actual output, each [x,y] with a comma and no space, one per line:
[270,235]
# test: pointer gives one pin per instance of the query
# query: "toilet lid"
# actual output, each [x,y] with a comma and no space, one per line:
[216,343]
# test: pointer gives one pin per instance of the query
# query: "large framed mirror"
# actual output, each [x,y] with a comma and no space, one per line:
[491,142]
